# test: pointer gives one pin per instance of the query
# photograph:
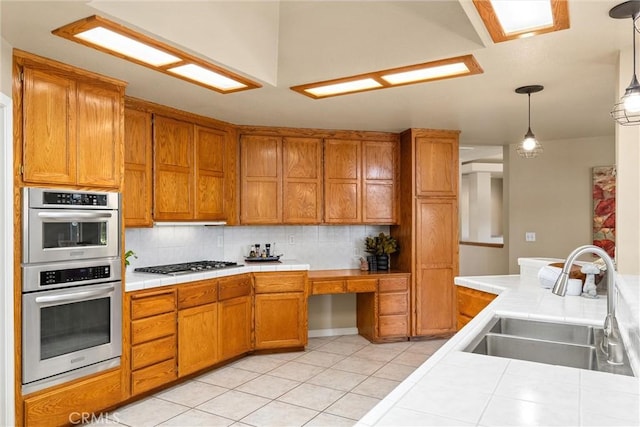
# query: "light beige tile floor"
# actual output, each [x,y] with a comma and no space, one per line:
[334,382]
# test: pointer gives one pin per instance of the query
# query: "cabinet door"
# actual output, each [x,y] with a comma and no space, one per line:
[379,161]
[436,166]
[99,136]
[173,175]
[49,107]
[280,320]
[261,198]
[137,194]
[197,338]
[302,180]
[210,145]
[234,327]
[437,265]
[342,181]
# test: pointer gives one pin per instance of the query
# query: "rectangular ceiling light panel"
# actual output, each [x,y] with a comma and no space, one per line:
[412,74]
[511,19]
[115,39]
[126,46]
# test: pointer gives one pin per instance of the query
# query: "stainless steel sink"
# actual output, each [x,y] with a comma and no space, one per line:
[562,332]
[563,344]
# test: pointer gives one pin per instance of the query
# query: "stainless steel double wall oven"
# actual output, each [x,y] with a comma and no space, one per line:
[71,285]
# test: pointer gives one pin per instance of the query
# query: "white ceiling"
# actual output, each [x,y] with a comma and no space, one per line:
[286,43]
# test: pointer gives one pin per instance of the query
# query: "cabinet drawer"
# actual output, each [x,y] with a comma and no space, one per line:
[153,303]
[393,284]
[64,406]
[390,326]
[471,301]
[234,287]
[197,293]
[153,376]
[328,287]
[393,304]
[153,352]
[151,328]
[362,285]
[279,282]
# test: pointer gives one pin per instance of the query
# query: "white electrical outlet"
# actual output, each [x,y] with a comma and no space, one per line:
[292,240]
[220,241]
[530,236]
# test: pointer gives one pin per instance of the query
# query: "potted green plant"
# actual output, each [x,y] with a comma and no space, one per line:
[128,254]
[380,247]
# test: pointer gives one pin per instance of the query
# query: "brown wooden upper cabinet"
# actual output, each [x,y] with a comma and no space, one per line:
[190,170]
[72,125]
[137,195]
[437,174]
[360,181]
[281,180]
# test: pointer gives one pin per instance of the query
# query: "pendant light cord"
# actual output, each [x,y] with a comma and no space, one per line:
[529,94]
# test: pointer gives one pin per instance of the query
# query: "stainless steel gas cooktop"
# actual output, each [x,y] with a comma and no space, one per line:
[187,267]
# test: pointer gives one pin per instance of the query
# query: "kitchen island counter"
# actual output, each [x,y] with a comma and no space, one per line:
[454,387]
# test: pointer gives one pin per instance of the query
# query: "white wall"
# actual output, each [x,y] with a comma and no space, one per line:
[323,247]
[482,261]
[496,207]
[628,185]
[551,195]
[6,240]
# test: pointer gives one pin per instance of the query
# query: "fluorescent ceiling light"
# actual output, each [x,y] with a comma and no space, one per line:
[512,19]
[426,73]
[346,87]
[126,46]
[411,74]
[207,77]
[115,39]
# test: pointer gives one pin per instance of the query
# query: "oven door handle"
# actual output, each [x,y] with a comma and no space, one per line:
[75,296]
[66,216]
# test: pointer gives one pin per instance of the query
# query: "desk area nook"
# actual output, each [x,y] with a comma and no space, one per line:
[382,300]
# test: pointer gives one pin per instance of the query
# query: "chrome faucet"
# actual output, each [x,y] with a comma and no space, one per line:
[611,344]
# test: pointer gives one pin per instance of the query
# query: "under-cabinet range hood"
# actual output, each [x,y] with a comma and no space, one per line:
[188,223]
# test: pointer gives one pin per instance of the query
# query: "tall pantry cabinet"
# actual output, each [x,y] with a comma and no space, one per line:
[428,229]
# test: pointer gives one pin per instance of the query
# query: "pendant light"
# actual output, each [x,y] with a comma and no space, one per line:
[627,111]
[529,147]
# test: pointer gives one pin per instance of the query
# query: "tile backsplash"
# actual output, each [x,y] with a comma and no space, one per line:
[321,246]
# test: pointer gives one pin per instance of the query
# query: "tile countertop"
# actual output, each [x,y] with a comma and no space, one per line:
[465,389]
[138,281]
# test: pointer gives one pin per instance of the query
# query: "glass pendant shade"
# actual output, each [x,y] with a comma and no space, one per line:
[529,147]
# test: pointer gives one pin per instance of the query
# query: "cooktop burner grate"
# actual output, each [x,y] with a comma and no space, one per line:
[187,267]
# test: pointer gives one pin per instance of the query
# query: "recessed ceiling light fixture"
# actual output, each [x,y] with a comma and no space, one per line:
[627,111]
[512,19]
[115,39]
[529,147]
[411,74]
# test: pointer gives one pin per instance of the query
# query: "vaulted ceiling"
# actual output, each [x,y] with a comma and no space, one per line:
[287,43]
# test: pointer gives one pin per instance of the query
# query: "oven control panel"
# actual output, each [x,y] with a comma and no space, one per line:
[74,199]
[54,277]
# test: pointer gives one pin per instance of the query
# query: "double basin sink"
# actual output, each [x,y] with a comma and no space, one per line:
[565,344]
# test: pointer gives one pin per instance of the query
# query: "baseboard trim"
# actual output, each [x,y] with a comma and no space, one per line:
[332,332]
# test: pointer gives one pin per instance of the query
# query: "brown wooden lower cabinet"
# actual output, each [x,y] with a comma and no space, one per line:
[471,302]
[280,310]
[153,339]
[234,316]
[67,404]
[197,338]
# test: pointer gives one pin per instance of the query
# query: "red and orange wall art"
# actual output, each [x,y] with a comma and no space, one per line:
[604,208]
